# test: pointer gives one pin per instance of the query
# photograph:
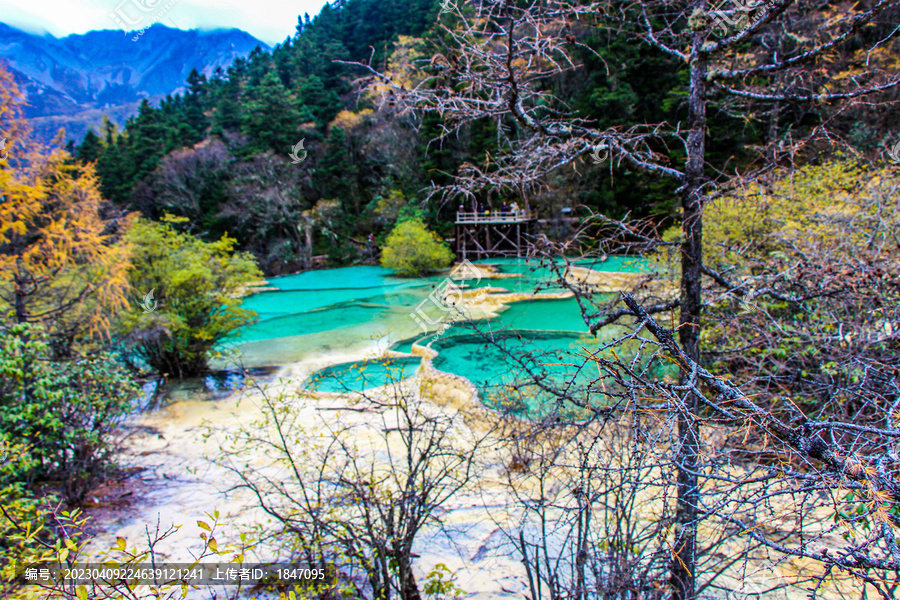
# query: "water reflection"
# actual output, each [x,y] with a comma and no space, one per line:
[216,385]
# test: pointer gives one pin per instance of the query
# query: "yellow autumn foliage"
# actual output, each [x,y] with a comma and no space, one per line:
[836,211]
[349,120]
[402,67]
[61,263]
[831,212]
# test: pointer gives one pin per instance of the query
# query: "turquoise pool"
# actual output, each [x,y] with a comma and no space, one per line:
[311,313]
[359,376]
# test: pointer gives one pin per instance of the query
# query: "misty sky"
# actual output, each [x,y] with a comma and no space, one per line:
[269,20]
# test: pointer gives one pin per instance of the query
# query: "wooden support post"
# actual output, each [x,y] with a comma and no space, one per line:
[491,235]
[518,240]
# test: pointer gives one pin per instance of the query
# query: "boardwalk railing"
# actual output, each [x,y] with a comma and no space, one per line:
[519,216]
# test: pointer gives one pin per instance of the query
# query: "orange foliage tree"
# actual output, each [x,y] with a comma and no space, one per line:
[61,263]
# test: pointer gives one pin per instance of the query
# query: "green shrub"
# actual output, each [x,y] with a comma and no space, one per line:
[62,415]
[195,302]
[412,250]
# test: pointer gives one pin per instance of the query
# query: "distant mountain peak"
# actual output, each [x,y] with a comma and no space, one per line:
[70,80]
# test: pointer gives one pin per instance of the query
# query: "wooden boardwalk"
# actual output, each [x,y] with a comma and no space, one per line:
[482,234]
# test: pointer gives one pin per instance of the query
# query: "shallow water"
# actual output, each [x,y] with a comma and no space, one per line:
[215,385]
[514,369]
[502,369]
[500,364]
[321,311]
[359,376]
[355,308]
[347,308]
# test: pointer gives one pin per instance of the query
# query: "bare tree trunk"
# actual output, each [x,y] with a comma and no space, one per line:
[21,280]
[581,549]
[684,560]
[523,547]
[306,257]
[408,588]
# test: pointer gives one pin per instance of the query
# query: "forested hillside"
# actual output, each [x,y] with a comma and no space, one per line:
[219,154]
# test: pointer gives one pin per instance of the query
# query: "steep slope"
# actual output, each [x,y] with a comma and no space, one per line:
[70,78]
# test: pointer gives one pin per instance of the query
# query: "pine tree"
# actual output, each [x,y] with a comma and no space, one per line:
[272,118]
[194,119]
[91,148]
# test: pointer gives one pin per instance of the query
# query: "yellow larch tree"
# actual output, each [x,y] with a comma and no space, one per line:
[61,263]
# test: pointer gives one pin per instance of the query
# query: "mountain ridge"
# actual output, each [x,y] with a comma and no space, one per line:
[68,80]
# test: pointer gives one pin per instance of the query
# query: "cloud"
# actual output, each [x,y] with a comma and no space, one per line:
[269,20]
